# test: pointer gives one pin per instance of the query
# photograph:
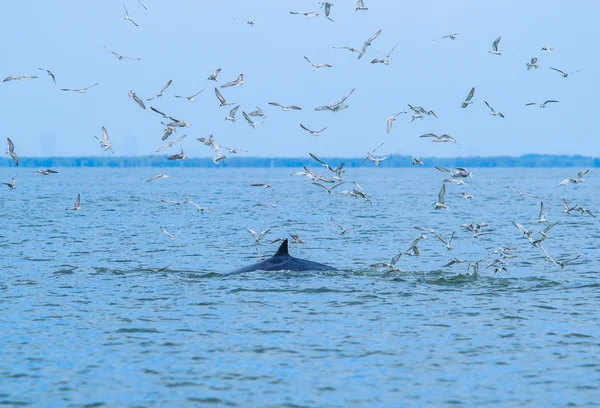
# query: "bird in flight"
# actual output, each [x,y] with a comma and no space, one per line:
[19,77]
[50,73]
[121,57]
[532,64]
[105,141]
[315,67]
[133,96]
[214,76]
[191,98]
[82,90]
[160,94]
[12,185]
[172,236]
[564,73]
[11,151]
[542,105]
[127,18]
[451,36]
[495,49]
[467,100]
[494,112]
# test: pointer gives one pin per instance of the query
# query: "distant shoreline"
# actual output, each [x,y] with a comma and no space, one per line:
[394,161]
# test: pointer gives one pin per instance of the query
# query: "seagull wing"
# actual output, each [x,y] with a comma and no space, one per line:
[471,94]
[495,44]
[247,118]
[220,97]
[550,101]
[276,104]
[233,111]
[77,201]
[442,194]
[559,70]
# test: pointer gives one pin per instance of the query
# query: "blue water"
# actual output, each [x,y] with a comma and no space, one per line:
[84,321]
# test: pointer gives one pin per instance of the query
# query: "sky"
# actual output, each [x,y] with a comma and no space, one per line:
[185,40]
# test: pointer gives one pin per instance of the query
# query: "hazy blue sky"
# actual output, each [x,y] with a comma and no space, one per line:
[186,40]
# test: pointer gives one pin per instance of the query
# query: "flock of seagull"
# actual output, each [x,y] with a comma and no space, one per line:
[335,178]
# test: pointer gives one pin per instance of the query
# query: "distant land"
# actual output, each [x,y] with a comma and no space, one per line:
[530,160]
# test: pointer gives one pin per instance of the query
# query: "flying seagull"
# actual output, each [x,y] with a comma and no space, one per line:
[215,75]
[368,44]
[391,120]
[521,194]
[83,90]
[170,144]
[441,202]
[440,138]
[494,112]
[49,73]
[178,156]
[239,81]
[546,48]
[315,67]
[160,94]
[11,151]
[495,49]
[564,74]
[231,115]
[105,141]
[391,265]
[12,185]
[386,57]
[343,230]
[369,154]
[285,108]
[191,98]
[312,132]
[250,121]
[259,236]
[221,98]
[542,105]
[451,36]
[578,180]
[172,236]
[77,205]
[19,78]
[126,17]
[532,64]
[467,100]
[158,176]
[306,14]
[133,96]
[360,5]
[121,57]
[327,5]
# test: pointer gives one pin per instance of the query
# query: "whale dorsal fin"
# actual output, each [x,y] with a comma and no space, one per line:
[283,249]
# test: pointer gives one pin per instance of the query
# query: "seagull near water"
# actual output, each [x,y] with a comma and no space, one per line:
[105,141]
[391,265]
[343,230]
[170,144]
[172,236]
[158,176]
[416,160]
[198,207]
[11,151]
[315,67]
[391,119]
[258,236]
[46,172]
[12,185]
[578,180]
[521,194]
[77,205]
[440,204]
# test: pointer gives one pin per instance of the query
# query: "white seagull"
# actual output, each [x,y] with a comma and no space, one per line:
[119,56]
[495,49]
[77,205]
[494,112]
[12,185]
[467,100]
[126,17]
[172,236]
[315,67]
[440,204]
[158,176]
[564,74]
[11,151]
[214,76]
[542,105]
[312,132]
[105,141]
[532,64]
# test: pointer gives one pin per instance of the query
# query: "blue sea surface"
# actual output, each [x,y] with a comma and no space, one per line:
[86,321]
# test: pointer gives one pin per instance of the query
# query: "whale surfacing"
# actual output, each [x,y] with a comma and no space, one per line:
[283,261]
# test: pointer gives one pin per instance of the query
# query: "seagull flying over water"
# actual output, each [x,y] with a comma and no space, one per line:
[343,230]
[386,57]
[178,156]
[105,141]
[77,205]
[578,180]
[521,194]
[440,204]
[440,138]
[12,185]
[158,176]
[46,172]
[391,265]
[546,48]
[172,236]
[258,236]
[11,151]
[170,144]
